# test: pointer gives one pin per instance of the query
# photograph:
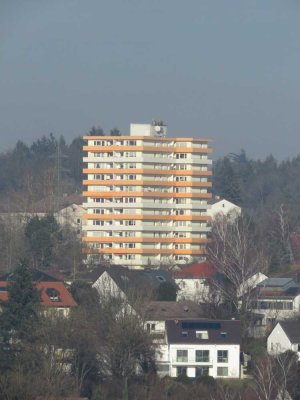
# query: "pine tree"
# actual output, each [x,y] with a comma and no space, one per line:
[19,316]
[226,184]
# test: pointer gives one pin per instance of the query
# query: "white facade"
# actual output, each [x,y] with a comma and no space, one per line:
[194,360]
[279,342]
[71,215]
[146,197]
[277,308]
[194,289]
[225,208]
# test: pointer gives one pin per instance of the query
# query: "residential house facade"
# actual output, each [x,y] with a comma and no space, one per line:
[55,299]
[276,299]
[200,348]
[285,336]
[193,281]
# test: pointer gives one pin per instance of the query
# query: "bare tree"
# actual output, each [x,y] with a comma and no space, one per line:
[271,375]
[237,258]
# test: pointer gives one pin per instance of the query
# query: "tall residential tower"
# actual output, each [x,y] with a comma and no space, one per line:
[146,197]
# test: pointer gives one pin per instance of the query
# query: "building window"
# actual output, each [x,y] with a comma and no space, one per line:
[201,335]
[182,355]
[202,371]
[179,212]
[181,155]
[222,371]
[202,355]
[222,356]
[181,371]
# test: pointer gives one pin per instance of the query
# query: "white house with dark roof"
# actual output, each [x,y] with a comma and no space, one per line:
[284,336]
[200,347]
[225,208]
[276,299]
[158,312]
[134,287]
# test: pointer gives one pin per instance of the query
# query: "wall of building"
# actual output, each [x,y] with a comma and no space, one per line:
[233,364]
[146,199]
[277,341]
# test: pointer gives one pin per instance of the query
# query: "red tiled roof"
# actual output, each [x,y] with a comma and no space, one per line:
[202,269]
[65,298]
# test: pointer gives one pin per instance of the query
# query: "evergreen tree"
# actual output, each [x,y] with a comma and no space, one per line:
[43,234]
[225,182]
[19,314]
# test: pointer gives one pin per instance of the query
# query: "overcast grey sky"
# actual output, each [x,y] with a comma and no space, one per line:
[225,69]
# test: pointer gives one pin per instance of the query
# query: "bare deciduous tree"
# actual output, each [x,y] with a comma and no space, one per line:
[271,375]
[237,258]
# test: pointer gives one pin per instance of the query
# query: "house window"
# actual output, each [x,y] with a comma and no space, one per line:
[181,371]
[222,371]
[201,334]
[182,355]
[202,371]
[202,355]
[222,356]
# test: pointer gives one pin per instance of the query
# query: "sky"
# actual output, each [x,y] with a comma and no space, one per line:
[223,69]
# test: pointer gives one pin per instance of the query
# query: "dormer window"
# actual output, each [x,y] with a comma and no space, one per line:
[53,294]
[202,335]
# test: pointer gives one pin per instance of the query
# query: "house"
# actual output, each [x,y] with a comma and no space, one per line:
[193,281]
[276,299]
[71,215]
[158,312]
[70,212]
[284,336]
[132,286]
[224,208]
[201,347]
[251,283]
[55,299]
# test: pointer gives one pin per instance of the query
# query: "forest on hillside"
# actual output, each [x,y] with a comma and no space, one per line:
[267,190]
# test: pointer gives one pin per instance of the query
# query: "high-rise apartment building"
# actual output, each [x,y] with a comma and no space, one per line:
[146,197]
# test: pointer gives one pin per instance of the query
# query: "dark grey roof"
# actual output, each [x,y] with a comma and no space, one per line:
[37,276]
[164,310]
[292,330]
[138,279]
[219,332]
[276,282]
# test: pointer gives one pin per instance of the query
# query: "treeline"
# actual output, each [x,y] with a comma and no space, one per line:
[41,240]
[258,185]
[269,193]
[46,169]
[267,190]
